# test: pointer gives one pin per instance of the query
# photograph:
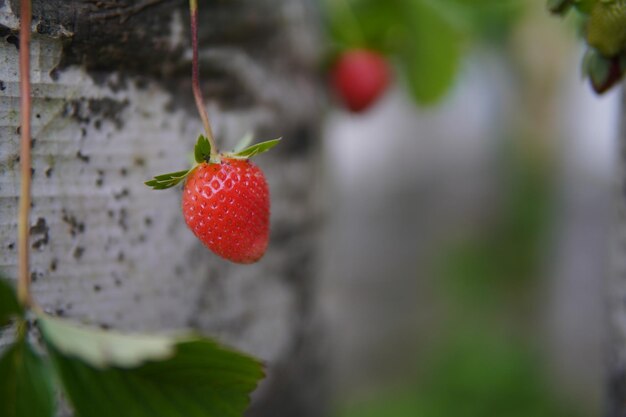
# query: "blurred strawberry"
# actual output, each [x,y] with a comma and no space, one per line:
[359,77]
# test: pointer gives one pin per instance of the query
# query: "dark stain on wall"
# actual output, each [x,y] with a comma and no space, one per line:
[40,233]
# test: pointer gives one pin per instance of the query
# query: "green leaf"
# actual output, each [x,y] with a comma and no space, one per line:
[431,55]
[25,383]
[256,149]
[147,375]
[9,305]
[202,150]
[100,348]
[161,182]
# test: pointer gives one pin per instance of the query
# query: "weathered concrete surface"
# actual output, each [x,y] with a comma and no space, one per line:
[112,107]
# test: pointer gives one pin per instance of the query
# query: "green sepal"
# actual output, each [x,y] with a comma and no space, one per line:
[162,182]
[202,154]
[559,6]
[9,306]
[255,149]
[202,150]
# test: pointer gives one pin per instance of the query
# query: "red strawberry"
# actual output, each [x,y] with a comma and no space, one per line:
[359,77]
[226,205]
[226,201]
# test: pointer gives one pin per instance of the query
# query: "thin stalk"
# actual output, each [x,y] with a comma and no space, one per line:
[195,77]
[23,286]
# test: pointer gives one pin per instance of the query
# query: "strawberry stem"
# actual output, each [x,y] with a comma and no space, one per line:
[23,284]
[195,77]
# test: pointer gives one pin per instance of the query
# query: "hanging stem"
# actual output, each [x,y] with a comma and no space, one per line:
[195,77]
[23,286]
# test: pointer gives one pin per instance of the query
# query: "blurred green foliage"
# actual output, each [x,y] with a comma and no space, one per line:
[480,366]
[472,374]
[426,38]
[482,269]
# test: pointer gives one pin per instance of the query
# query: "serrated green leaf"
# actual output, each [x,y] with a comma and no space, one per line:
[101,349]
[197,378]
[161,182]
[202,150]
[256,149]
[25,383]
[9,305]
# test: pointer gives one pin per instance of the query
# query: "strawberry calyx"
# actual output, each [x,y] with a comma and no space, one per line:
[202,151]
[202,155]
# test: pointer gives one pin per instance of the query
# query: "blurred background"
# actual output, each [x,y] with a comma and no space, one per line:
[469,208]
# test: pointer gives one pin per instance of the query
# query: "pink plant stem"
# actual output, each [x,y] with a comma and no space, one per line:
[195,77]
[23,287]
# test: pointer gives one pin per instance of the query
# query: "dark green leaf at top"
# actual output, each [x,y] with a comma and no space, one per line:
[25,383]
[256,149]
[202,150]
[9,305]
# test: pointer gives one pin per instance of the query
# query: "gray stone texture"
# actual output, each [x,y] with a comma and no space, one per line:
[112,106]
